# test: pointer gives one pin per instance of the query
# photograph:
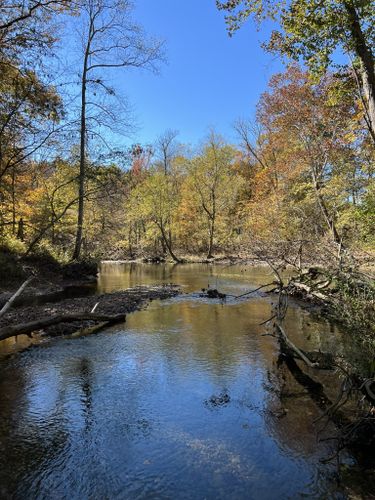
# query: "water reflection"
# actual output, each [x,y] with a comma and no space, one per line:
[124,413]
[192,277]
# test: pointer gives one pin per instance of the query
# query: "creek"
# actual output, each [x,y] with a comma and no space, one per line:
[186,401]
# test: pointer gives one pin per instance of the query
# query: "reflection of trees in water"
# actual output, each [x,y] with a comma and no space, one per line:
[292,404]
[117,275]
[291,410]
[27,443]
[14,344]
[222,338]
[85,374]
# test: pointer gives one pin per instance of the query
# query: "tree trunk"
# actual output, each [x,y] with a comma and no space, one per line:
[21,231]
[330,222]
[13,201]
[212,226]
[82,174]
[168,244]
[14,296]
[82,158]
[366,57]
[211,240]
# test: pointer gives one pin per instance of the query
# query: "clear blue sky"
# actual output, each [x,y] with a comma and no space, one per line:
[209,80]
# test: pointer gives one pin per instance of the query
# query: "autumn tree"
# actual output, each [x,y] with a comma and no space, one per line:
[312,31]
[212,186]
[309,152]
[29,115]
[27,29]
[155,201]
[30,106]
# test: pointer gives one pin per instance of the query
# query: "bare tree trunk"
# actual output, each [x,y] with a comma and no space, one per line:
[211,240]
[212,226]
[82,172]
[82,159]
[21,231]
[8,304]
[13,201]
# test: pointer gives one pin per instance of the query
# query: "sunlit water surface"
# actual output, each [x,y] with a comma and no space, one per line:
[182,402]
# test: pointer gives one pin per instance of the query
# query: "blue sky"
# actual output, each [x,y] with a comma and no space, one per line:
[209,80]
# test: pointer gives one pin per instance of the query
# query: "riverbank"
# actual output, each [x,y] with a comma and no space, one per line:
[107,304]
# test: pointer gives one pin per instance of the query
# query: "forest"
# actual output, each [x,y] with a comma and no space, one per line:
[302,171]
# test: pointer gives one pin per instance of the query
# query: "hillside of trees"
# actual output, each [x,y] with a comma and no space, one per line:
[301,174]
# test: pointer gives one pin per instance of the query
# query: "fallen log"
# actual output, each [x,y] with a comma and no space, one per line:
[39,324]
[298,351]
[324,360]
[91,329]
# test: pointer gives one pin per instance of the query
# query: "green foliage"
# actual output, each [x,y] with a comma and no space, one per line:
[354,305]
[11,245]
[311,30]
[364,216]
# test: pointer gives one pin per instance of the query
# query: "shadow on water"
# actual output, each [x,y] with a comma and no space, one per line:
[189,401]
[69,292]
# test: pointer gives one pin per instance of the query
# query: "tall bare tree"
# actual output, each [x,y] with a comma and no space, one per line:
[110,41]
[166,148]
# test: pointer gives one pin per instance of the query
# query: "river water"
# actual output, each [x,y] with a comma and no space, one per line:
[187,401]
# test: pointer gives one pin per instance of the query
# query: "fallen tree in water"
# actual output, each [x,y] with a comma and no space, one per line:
[40,324]
[349,296]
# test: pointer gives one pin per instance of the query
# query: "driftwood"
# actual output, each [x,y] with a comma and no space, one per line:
[213,293]
[309,291]
[32,326]
[91,329]
[298,351]
[9,303]
[324,360]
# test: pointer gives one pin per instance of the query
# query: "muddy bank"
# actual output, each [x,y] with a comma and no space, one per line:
[115,303]
[197,259]
[50,276]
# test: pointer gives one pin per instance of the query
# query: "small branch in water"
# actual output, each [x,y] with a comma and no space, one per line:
[251,291]
[267,320]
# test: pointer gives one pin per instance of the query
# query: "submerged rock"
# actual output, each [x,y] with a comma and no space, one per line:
[218,400]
